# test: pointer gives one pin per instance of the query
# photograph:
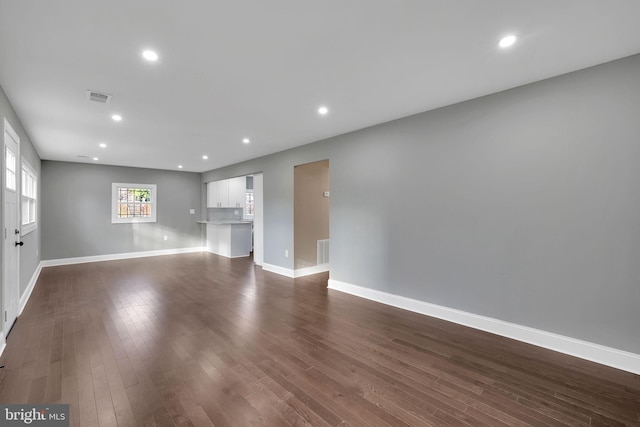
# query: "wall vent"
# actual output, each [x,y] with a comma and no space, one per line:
[95,96]
[323,252]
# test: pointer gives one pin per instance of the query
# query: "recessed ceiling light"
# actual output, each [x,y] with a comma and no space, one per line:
[116,117]
[205,157]
[323,111]
[179,166]
[150,55]
[246,140]
[95,159]
[507,41]
[103,145]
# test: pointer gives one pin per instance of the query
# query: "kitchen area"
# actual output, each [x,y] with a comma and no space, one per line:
[230,215]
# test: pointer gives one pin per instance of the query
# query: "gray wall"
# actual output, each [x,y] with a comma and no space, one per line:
[30,252]
[522,206]
[76,200]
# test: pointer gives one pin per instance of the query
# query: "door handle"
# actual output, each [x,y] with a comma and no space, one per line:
[19,243]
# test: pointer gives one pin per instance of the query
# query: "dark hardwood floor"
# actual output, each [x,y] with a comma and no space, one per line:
[201,340]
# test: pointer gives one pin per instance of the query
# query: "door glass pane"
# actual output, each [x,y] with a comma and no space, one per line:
[10,158]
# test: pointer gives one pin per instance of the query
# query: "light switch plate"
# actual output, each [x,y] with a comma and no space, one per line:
[192,211]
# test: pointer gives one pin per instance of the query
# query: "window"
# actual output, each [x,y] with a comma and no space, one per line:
[133,203]
[29,197]
[249,206]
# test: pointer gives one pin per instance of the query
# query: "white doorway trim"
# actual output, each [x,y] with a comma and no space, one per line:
[258,219]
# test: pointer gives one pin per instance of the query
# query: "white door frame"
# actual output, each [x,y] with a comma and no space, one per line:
[258,219]
[9,236]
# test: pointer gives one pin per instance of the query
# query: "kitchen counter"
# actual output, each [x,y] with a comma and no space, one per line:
[231,239]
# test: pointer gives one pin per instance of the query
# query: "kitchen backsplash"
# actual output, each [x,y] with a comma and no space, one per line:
[224,214]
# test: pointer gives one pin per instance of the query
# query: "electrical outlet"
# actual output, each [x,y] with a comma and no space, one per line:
[286,253]
[192,211]
[166,237]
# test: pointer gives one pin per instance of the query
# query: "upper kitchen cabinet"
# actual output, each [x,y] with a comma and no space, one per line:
[212,195]
[237,192]
[218,194]
[228,193]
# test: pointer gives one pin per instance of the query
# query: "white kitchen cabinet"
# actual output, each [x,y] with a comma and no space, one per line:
[237,192]
[212,195]
[218,194]
[228,193]
[223,193]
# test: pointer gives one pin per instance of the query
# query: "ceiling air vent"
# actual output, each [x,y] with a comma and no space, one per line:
[102,98]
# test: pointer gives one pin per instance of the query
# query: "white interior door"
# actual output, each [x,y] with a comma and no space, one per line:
[11,232]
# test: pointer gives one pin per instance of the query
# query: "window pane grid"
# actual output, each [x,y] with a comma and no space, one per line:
[28,184]
[28,211]
[29,194]
[250,203]
[134,202]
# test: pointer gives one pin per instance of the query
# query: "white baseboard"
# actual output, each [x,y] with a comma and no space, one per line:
[27,292]
[224,255]
[301,272]
[113,257]
[24,298]
[295,273]
[278,270]
[615,358]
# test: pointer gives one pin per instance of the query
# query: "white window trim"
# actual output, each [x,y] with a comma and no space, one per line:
[114,203]
[32,226]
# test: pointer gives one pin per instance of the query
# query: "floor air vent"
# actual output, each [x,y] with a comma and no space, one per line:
[323,252]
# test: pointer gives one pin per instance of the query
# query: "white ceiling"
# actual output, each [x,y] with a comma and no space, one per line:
[260,69]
